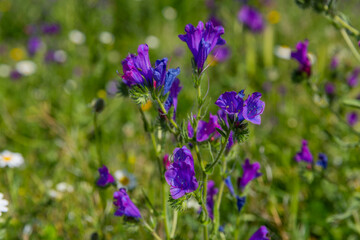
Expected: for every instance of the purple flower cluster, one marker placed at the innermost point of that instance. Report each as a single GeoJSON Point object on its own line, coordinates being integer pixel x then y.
{"type": "Point", "coordinates": [201, 40]}
{"type": "Point", "coordinates": [181, 174]}
{"type": "Point", "coordinates": [251, 18]}
{"type": "Point", "coordinates": [301, 55]}
{"type": "Point", "coordinates": [125, 207]}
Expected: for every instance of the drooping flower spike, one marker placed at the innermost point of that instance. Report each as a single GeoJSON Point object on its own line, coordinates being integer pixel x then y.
{"type": "Point", "coordinates": [181, 174]}
{"type": "Point", "coordinates": [105, 177]}
{"type": "Point", "coordinates": [250, 172]}
{"type": "Point", "coordinates": [202, 40]}
{"type": "Point", "coordinates": [301, 55]}
{"type": "Point", "coordinates": [260, 234]}
{"type": "Point", "coordinates": [251, 18]}
{"type": "Point", "coordinates": [305, 154]}
{"type": "Point", "coordinates": [125, 207]}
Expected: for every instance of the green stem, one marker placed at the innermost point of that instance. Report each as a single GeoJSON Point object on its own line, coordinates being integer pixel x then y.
{"type": "Point", "coordinates": [345, 25]}
{"type": "Point", "coordinates": [237, 227]}
{"type": "Point", "coordinates": [206, 232]}
{"type": "Point", "coordinates": [97, 140]}
{"type": "Point", "coordinates": [165, 212]}
{"type": "Point", "coordinates": [174, 223]}
{"type": "Point", "coordinates": [218, 201]}
{"type": "Point", "coordinates": [166, 113]}
{"type": "Point", "coordinates": [152, 231]}
{"type": "Point", "coordinates": [350, 44]}
{"type": "Point", "coordinates": [223, 146]}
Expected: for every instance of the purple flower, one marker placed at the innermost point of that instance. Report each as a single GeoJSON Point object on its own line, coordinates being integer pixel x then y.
{"type": "Point", "coordinates": [251, 18]}
{"type": "Point", "coordinates": [330, 88]}
{"type": "Point", "coordinates": [173, 96]}
{"type": "Point", "coordinates": [323, 161]}
{"type": "Point", "coordinates": [34, 44]}
{"type": "Point", "coordinates": [204, 129]}
{"type": "Point", "coordinates": [352, 79]}
{"type": "Point", "coordinates": [240, 202]}
{"type": "Point", "coordinates": [228, 183]}
{"type": "Point", "coordinates": [305, 154]}
{"type": "Point", "coordinates": [352, 118]}
{"type": "Point", "coordinates": [260, 234]}
{"type": "Point", "coordinates": [253, 108]}
{"type": "Point", "coordinates": [202, 40]}
{"type": "Point", "coordinates": [181, 174]}
{"type": "Point", "coordinates": [221, 54]}
{"type": "Point", "coordinates": [124, 205]}
{"type": "Point", "coordinates": [301, 55]}
{"type": "Point", "coordinates": [250, 172]}
{"type": "Point", "coordinates": [50, 28]}
{"type": "Point", "coordinates": [211, 192]}
{"type": "Point", "coordinates": [162, 78]}
{"type": "Point", "coordinates": [231, 102]}
{"type": "Point", "coordinates": [334, 63]}
{"type": "Point", "coordinates": [15, 75]}
{"type": "Point", "coordinates": [166, 161]}
{"type": "Point", "coordinates": [137, 69]}
{"type": "Point", "coordinates": [105, 177]}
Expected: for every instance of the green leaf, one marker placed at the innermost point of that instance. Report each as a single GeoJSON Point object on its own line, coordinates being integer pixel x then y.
{"type": "Point", "coordinates": [352, 103]}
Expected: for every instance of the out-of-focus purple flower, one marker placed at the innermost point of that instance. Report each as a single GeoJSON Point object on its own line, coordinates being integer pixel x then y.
{"type": "Point", "coordinates": [137, 69]}
{"type": "Point", "coordinates": [260, 234]}
{"type": "Point", "coordinates": [15, 75]}
{"type": "Point", "coordinates": [202, 40]}
{"type": "Point", "coordinates": [322, 161]}
{"type": "Point", "coordinates": [166, 161]}
{"type": "Point", "coordinates": [305, 154]}
{"type": "Point", "coordinates": [253, 108]}
{"type": "Point", "coordinates": [162, 78]}
{"type": "Point", "coordinates": [267, 86]}
{"type": "Point", "coordinates": [251, 18]}
{"type": "Point", "coordinates": [34, 44]}
{"type": "Point", "coordinates": [211, 192]}
{"type": "Point", "coordinates": [250, 172]}
{"type": "Point", "coordinates": [221, 54]}
{"type": "Point", "coordinates": [301, 55]}
{"type": "Point", "coordinates": [215, 21]}
{"type": "Point", "coordinates": [352, 79]}
{"type": "Point", "coordinates": [50, 28]}
{"type": "Point", "coordinates": [181, 174]}
{"type": "Point", "coordinates": [173, 96]}
{"type": "Point", "coordinates": [105, 177]}
{"type": "Point", "coordinates": [204, 129]}
{"type": "Point", "coordinates": [221, 229]}
{"type": "Point", "coordinates": [334, 62]}
{"type": "Point", "coordinates": [352, 118]}
{"type": "Point", "coordinates": [112, 87]}
{"type": "Point", "coordinates": [240, 202]}
{"type": "Point", "coordinates": [231, 102]}
{"type": "Point", "coordinates": [228, 183]}
{"type": "Point", "coordinates": [124, 205]}
{"type": "Point", "coordinates": [330, 88]}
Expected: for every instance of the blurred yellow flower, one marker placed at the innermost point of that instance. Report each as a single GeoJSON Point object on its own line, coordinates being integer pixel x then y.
{"type": "Point", "coordinates": [273, 17]}
{"type": "Point", "coordinates": [17, 54]}
{"type": "Point", "coordinates": [132, 159]}
{"type": "Point", "coordinates": [146, 106]}
{"type": "Point", "coordinates": [101, 94]}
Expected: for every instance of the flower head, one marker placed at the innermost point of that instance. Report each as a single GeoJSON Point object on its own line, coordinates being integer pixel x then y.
{"type": "Point", "coordinates": [105, 177]}
{"type": "Point", "coordinates": [202, 40]}
{"type": "Point", "coordinates": [124, 179]}
{"type": "Point", "coordinates": [301, 55]}
{"type": "Point", "coordinates": [250, 172]}
{"type": "Point", "coordinates": [305, 154]}
{"type": "Point", "coordinates": [251, 18]}
{"type": "Point", "coordinates": [231, 102]}
{"type": "Point", "coordinates": [211, 192]}
{"type": "Point", "coordinates": [124, 205]}
{"type": "Point", "coordinates": [260, 234]}
{"type": "Point", "coordinates": [10, 159]}
{"type": "Point", "coordinates": [204, 129]}
{"type": "Point", "coordinates": [3, 204]}
{"type": "Point", "coordinates": [323, 161]}
{"type": "Point", "coordinates": [162, 78]}
{"type": "Point", "coordinates": [181, 174]}
{"type": "Point", "coordinates": [253, 108]}
{"type": "Point", "coordinates": [352, 118]}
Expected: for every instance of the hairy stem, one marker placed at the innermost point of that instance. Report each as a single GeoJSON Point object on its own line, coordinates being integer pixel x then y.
{"type": "Point", "coordinates": [174, 223]}
{"type": "Point", "coordinates": [152, 231]}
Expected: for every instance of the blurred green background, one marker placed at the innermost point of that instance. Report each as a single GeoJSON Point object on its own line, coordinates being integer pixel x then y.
{"type": "Point", "coordinates": [47, 117]}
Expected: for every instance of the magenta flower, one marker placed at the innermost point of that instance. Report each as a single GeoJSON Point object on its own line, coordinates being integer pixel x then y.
{"type": "Point", "coordinates": [253, 108]}
{"type": "Point", "coordinates": [305, 154]}
{"type": "Point", "coordinates": [181, 174]}
{"type": "Point", "coordinates": [124, 205]}
{"type": "Point", "coordinates": [250, 172]}
{"type": "Point", "coordinates": [166, 161]}
{"type": "Point", "coordinates": [211, 192]}
{"type": "Point", "coordinates": [202, 40]}
{"type": "Point", "coordinates": [301, 55]}
{"type": "Point", "coordinates": [204, 129]}
{"type": "Point", "coordinates": [260, 234]}
{"type": "Point", "coordinates": [105, 177]}
{"type": "Point", "coordinates": [251, 18]}
{"type": "Point", "coordinates": [231, 102]}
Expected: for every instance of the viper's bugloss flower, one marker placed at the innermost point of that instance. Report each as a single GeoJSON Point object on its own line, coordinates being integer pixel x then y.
{"type": "Point", "coordinates": [322, 161]}
{"type": "Point", "coordinates": [34, 44]}
{"type": "Point", "coordinates": [125, 207]}
{"type": "Point", "coordinates": [204, 129]}
{"type": "Point", "coordinates": [301, 55]}
{"type": "Point", "coordinates": [250, 172]}
{"type": "Point", "coordinates": [251, 18]}
{"type": "Point", "coordinates": [166, 161]}
{"type": "Point", "coordinates": [253, 108]}
{"type": "Point", "coordinates": [173, 96]}
{"type": "Point", "coordinates": [352, 118]}
{"type": "Point", "coordinates": [229, 184]}
{"type": "Point", "coordinates": [162, 78]}
{"type": "Point", "coordinates": [334, 62]}
{"type": "Point", "coordinates": [240, 202]}
{"type": "Point", "coordinates": [181, 174]}
{"type": "Point", "coordinates": [15, 75]}
{"type": "Point", "coordinates": [105, 177]}
{"type": "Point", "coordinates": [202, 40]}
{"type": "Point", "coordinates": [137, 69]}
{"type": "Point", "coordinates": [211, 192]}
{"type": "Point", "coordinates": [260, 234]}
{"type": "Point", "coordinates": [11, 159]}
{"type": "Point", "coordinates": [352, 79]}
{"type": "Point", "coordinates": [231, 102]}
{"type": "Point", "coordinates": [305, 154]}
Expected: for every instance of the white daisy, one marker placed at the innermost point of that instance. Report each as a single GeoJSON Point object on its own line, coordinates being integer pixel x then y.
{"type": "Point", "coordinates": [77, 37]}
{"type": "Point", "coordinates": [10, 159]}
{"type": "Point", "coordinates": [124, 179]}
{"type": "Point", "coordinates": [3, 204]}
